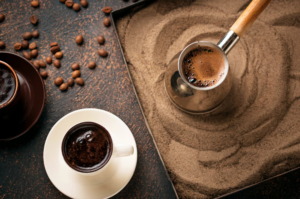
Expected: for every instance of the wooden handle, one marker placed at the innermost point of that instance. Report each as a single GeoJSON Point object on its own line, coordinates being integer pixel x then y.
{"type": "Point", "coordinates": [252, 12]}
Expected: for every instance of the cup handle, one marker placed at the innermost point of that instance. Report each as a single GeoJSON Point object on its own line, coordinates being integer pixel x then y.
{"type": "Point", "coordinates": [123, 150]}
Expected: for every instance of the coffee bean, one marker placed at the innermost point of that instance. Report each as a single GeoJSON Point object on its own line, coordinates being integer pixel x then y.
{"type": "Point", "coordinates": [35, 3]}
{"type": "Point", "coordinates": [69, 3]}
{"type": "Point", "coordinates": [34, 53]}
{"type": "Point", "coordinates": [58, 81]}
{"type": "Point", "coordinates": [18, 46]}
{"type": "Point", "coordinates": [62, 1]}
{"type": "Point", "coordinates": [79, 81]}
{"type": "Point", "coordinates": [2, 17]}
{"type": "Point", "coordinates": [33, 19]}
{"type": "Point", "coordinates": [49, 60]}
{"type": "Point", "coordinates": [56, 63]}
{"type": "Point", "coordinates": [32, 46]}
{"type": "Point", "coordinates": [58, 55]}
{"type": "Point", "coordinates": [106, 22]}
{"type": "Point", "coordinates": [31, 61]}
{"type": "Point", "coordinates": [100, 39]}
{"type": "Point", "coordinates": [44, 74]}
{"type": "Point", "coordinates": [102, 53]}
{"type": "Point", "coordinates": [79, 39]}
{"type": "Point", "coordinates": [92, 64]}
{"type": "Point", "coordinates": [53, 44]}
{"type": "Point", "coordinates": [42, 63]}
{"type": "Point", "coordinates": [55, 49]}
{"type": "Point", "coordinates": [27, 35]}
{"type": "Point", "coordinates": [24, 44]}
{"type": "Point", "coordinates": [2, 44]}
{"type": "Point", "coordinates": [75, 66]}
{"type": "Point", "coordinates": [76, 6]}
{"type": "Point", "coordinates": [70, 82]}
{"type": "Point", "coordinates": [36, 64]}
{"type": "Point", "coordinates": [107, 10]}
{"type": "Point", "coordinates": [84, 3]}
{"type": "Point", "coordinates": [26, 55]}
{"type": "Point", "coordinates": [76, 74]}
{"type": "Point", "coordinates": [35, 34]}
{"type": "Point", "coordinates": [63, 87]}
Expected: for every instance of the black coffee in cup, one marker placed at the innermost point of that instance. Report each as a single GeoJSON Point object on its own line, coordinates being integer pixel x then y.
{"type": "Point", "coordinates": [87, 147]}
{"type": "Point", "coordinates": [7, 84]}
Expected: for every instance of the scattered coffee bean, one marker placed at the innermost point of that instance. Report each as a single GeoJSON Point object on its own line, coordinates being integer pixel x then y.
{"type": "Point", "coordinates": [32, 46]}
{"type": "Point", "coordinates": [35, 34]}
{"type": "Point", "coordinates": [53, 44]}
{"type": "Point", "coordinates": [44, 74]}
{"type": "Point", "coordinates": [31, 61]}
{"type": "Point", "coordinates": [33, 19]}
{"type": "Point", "coordinates": [34, 53]}
{"type": "Point", "coordinates": [107, 10]}
{"type": "Point", "coordinates": [63, 87]}
{"type": "Point", "coordinates": [35, 3]}
{"type": "Point", "coordinates": [79, 39]}
{"type": "Point", "coordinates": [42, 63]}
{"type": "Point", "coordinates": [26, 55]}
{"type": "Point", "coordinates": [70, 82]}
{"type": "Point", "coordinates": [69, 3]}
{"type": "Point", "coordinates": [102, 53]}
{"type": "Point", "coordinates": [27, 35]}
{"type": "Point", "coordinates": [24, 44]}
{"type": "Point", "coordinates": [2, 17]}
{"type": "Point", "coordinates": [106, 22]}
{"type": "Point", "coordinates": [56, 63]}
{"type": "Point", "coordinates": [18, 46]}
{"type": "Point", "coordinates": [58, 81]}
{"type": "Point", "coordinates": [76, 7]}
{"type": "Point", "coordinates": [49, 60]}
{"type": "Point", "coordinates": [55, 49]}
{"type": "Point", "coordinates": [75, 66]}
{"type": "Point", "coordinates": [92, 64]}
{"type": "Point", "coordinates": [2, 44]}
{"type": "Point", "coordinates": [62, 1]}
{"type": "Point", "coordinates": [76, 74]}
{"type": "Point", "coordinates": [58, 55]}
{"type": "Point", "coordinates": [100, 39]}
{"type": "Point", "coordinates": [79, 81]}
{"type": "Point", "coordinates": [84, 3]}
{"type": "Point", "coordinates": [36, 64]}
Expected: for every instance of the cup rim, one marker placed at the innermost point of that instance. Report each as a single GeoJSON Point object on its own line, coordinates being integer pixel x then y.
{"type": "Point", "coordinates": [86, 171]}
{"type": "Point", "coordinates": [16, 87]}
{"type": "Point", "coordinates": [194, 45]}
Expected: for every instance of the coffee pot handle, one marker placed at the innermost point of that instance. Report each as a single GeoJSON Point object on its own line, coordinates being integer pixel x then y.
{"type": "Point", "coordinates": [123, 150]}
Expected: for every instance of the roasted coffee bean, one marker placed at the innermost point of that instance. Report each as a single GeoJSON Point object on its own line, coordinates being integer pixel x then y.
{"type": "Point", "coordinates": [76, 74]}
{"type": "Point", "coordinates": [92, 64]}
{"type": "Point", "coordinates": [49, 60]}
{"type": "Point", "coordinates": [32, 46]}
{"type": "Point", "coordinates": [27, 35]}
{"type": "Point", "coordinates": [63, 87]}
{"type": "Point", "coordinates": [79, 39]}
{"type": "Point", "coordinates": [44, 74]}
{"type": "Point", "coordinates": [107, 10]}
{"type": "Point", "coordinates": [53, 44]}
{"type": "Point", "coordinates": [34, 53]}
{"type": "Point", "coordinates": [69, 3]}
{"type": "Point", "coordinates": [2, 17]}
{"type": "Point", "coordinates": [58, 55]}
{"type": "Point", "coordinates": [84, 3]}
{"type": "Point", "coordinates": [31, 61]}
{"type": "Point", "coordinates": [24, 44]}
{"type": "Point", "coordinates": [18, 46]}
{"type": "Point", "coordinates": [79, 81]}
{"type": "Point", "coordinates": [102, 53]}
{"type": "Point", "coordinates": [26, 55]}
{"type": "Point", "coordinates": [76, 6]}
{"type": "Point", "coordinates": [36, 64]}
{"type": "Point", "coordinates": [75, 66]}
{"type": "Point", "coordinates": [42, 63]}
{"type": "Point", "coordinates": [35, 3]}
{"type": "Point", "coordinates": [106, 22]}
{"type": "Point", "coordinates": [35, 34]}
{"type": "Point", "coordinates": [100, 39]}
{"type": "Point", "coordinates": [58, 81]}
{"type": "Point", "coordinates": [2, 44]}
{"type": "Point", "coordinates": [55, 49]}
{"type": "Point", "coordinates": [33, 19]}
{"type": "Point", "coordinates": [56, 63]}
{"type": "Point", "coordinates": [70, 82]}
{"type": "Point", "coordinates": [62, 1]}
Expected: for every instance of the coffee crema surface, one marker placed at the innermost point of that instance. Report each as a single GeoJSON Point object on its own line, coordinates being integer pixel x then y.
{"type": "Point", "coordinates": [203, 67]}
{"type": "Point", "coordinates": [7, 84]}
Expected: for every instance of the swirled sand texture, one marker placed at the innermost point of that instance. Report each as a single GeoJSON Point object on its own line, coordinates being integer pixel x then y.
{"type": "Point", "coordinates": [258, 135]}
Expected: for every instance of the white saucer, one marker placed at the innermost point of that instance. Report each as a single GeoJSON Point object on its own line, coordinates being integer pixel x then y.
{"type": "Point", "coordinates": [88, 187]}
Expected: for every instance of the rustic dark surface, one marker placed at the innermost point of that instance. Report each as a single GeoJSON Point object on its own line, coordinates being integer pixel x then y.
{"type": "Point", "coordinates": [22, 173]}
